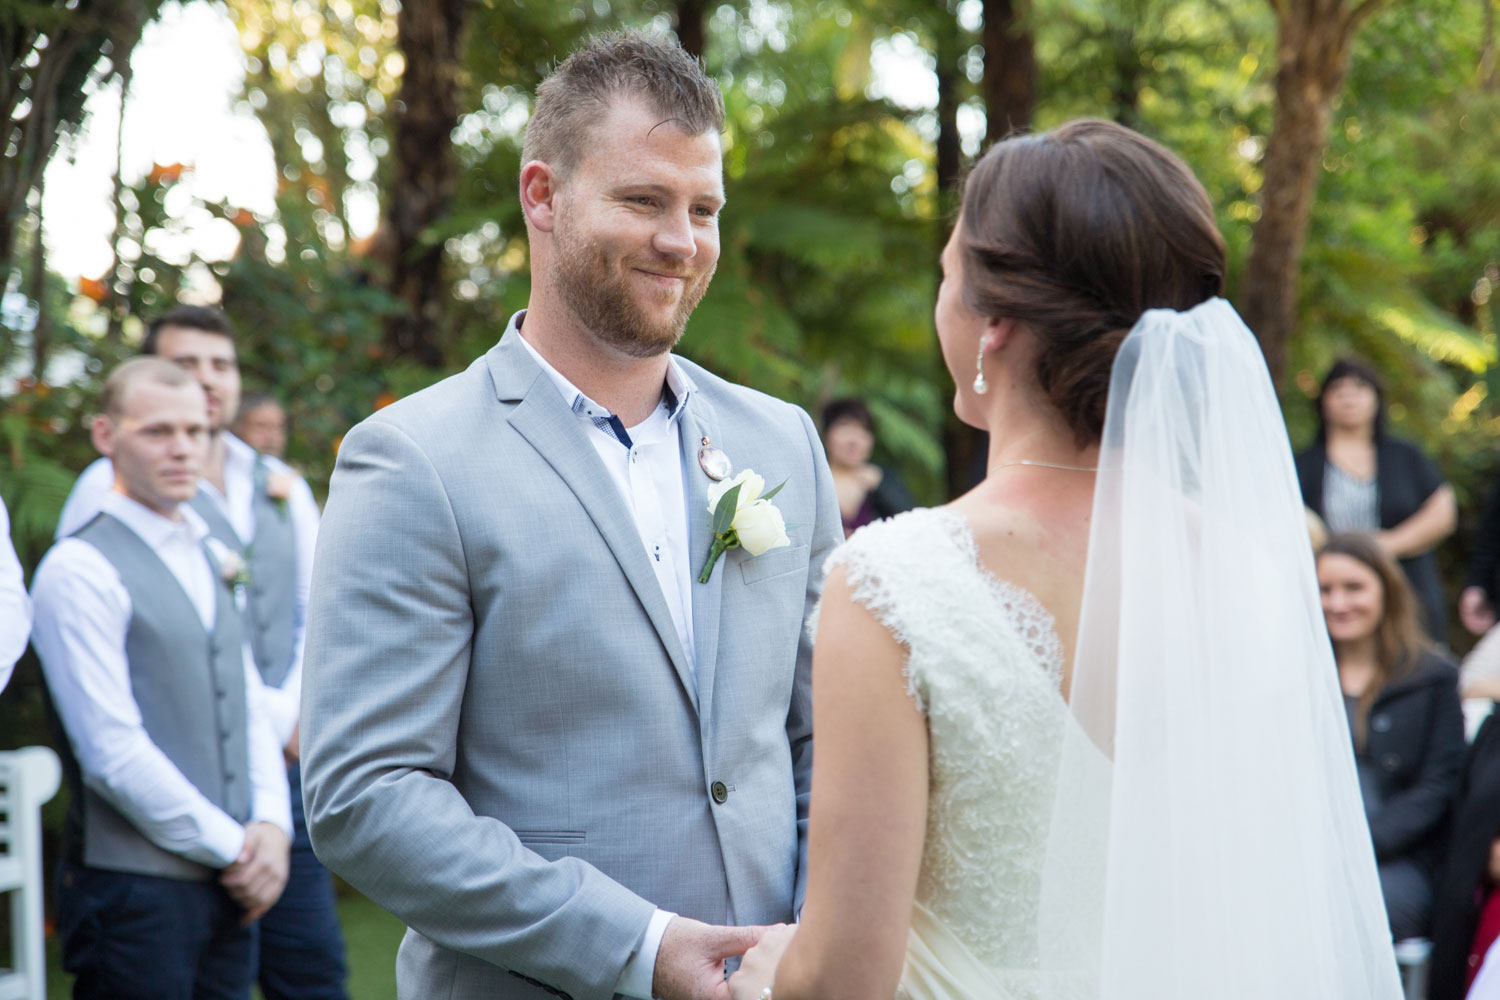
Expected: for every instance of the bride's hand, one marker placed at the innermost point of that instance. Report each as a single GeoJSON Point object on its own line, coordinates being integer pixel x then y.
{"type": "Point", "coordinates": [758, 968]}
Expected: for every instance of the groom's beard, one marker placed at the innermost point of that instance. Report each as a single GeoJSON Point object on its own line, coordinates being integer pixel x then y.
{"type": "Point", "coordinates": [595, 287]}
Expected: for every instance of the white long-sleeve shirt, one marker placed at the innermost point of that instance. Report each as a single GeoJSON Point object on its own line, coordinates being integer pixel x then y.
{"type": "Point", "coordinates": [83, 613]}
{"type": "Point", "coordinates": [15, 606]}
{"type": "Point", "coordinates": [237, 502]}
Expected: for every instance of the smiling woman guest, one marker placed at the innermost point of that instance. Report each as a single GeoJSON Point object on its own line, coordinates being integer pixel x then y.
{"type": "Point", "coordinates": [1358, 477]}
{"type": "Point", "coordinates": [1402, 702]}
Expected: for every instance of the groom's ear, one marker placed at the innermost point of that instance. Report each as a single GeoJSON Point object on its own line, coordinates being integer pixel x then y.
{"type": "Point", "coordinates": [539, 190]}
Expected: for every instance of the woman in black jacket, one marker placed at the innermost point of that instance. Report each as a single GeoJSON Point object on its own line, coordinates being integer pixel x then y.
{"type": "Point", "coordinates": [1356, 477]}
{"type": "Point", "coordinates": [1404, 716]}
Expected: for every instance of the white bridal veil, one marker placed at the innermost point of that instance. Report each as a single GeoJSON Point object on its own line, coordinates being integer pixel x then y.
{"type": "Point", "coordinates": [1208, 840]}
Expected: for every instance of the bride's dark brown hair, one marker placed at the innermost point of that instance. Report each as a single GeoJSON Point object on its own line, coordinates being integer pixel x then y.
{"type": "Point", "coordinates": [1076, 232]}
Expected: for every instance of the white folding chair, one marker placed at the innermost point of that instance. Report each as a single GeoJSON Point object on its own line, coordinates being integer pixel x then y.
{"type": "Point", "coordinates": [28, 778]}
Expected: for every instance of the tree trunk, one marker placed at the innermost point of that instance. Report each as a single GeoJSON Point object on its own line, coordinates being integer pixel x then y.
{"type": "Point", "coordinates": [41, 333]}
{"type": "Point", "coordinates": [117, 304]}
{"type": "Point", "coordinates": [430, 35]}
{"type": "Point", "coordinates": [1489, 79]}
{"type": "Point", "coordinates": [960, 442]}
{"type": "Point", "coordinates": [1009, 69]}
{"type": "Point", "coordinates": [1126, 92]}
{"type": "Point", "coordinates": [1313, 38]}
{"type": "Point", "coordinates": [690, 26]}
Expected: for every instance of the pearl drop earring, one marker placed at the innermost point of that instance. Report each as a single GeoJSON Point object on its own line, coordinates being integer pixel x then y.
{"type": "Point", "coordinates": [980, 385]}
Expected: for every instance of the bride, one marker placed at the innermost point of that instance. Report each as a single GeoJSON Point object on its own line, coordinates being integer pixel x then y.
{"type": "Point", "coordinates": [1078, 734]}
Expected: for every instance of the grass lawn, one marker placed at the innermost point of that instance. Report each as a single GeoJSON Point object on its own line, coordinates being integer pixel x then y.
{"type": "Point", "coordinates": [370, 934]}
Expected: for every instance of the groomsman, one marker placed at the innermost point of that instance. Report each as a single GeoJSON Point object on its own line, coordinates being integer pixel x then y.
{"type": "Point", "coordinates": [15, 606]}
{"type": "Point", "coordinates": [258, 506]}
{"type": "Point", "coordinates": [179, 829]}
{"type": "Point", "coordinates": [262, 424]}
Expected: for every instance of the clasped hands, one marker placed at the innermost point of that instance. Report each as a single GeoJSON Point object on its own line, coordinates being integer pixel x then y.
{"type": "Point", "coordinates": [258, 875]}
{"type": "Point", "coordinates": [690, 960]}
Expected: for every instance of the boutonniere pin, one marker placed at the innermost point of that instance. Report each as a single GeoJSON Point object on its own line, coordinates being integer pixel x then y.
{"type": "Point", "coordinates": [743, 518]}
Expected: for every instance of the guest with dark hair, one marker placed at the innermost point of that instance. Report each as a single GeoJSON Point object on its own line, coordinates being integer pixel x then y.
{"type": "Point", "coordinates": [1358, 477]}
{"type": "Point", "coordinates": [867, 492]}
{"type": "Point", "coordinates": [1402, 701]}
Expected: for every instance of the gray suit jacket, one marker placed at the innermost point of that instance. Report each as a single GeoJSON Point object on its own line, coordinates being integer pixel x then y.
{"type": "Point", "coordinates": [501, 739]}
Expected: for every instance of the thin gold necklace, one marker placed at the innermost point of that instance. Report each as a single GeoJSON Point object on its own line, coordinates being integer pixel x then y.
{"type": "Point", "coordinates": [1050, 465]}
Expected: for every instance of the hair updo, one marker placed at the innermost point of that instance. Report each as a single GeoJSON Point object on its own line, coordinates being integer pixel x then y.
{"type": "Point", "coordinates": [1076, 232]}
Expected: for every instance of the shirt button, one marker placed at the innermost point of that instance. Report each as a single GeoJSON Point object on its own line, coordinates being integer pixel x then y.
{"type": "Point", "coordinates": [720, 792]}
{"type": "Point", "coordinates": [1381, 723]}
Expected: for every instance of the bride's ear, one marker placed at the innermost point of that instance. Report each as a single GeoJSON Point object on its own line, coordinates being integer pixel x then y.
{"type": "Point", "coordinates": [998, 333]}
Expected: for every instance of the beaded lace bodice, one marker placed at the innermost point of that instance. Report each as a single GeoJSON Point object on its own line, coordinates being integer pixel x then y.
{"type": "Point", "coordinates": [985, 667]}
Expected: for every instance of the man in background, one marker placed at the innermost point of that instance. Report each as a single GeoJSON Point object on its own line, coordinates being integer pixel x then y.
{"type": "Point", "coordinates": [262, 509]}
{"type": "Point", "coordinates": [261, 424]}
{"type": "Point", "coordinates": [178, 832]}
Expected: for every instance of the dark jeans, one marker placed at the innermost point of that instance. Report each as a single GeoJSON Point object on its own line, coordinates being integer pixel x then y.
{"type": "Point", "coordinates": [140, 937]}
{"type": "Point", "coordinates": [301, 945]}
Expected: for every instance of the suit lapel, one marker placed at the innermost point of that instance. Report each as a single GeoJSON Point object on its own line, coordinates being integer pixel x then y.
{"type": "Point", "coordinates": [543, 418]}
{"type": "Point", "coordinates": [697, 423]}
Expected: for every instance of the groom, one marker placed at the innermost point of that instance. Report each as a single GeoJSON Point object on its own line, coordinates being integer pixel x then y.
{"type": "Point", "coordinates": [528, 731]}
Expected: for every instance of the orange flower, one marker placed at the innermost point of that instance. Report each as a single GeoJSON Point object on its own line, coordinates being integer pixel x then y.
{"type": "Point", "coordinates": [93, 288]}
{"type": "Point", "coordinates": [383, 400]}
{"type": "Point", "coordinates": [244, 217]}
{"type": "Point", "coordinates": [166, 173]}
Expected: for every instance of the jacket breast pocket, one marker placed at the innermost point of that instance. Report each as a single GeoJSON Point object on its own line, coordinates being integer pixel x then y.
{"type": "Point", "coordinates": [777, 562]}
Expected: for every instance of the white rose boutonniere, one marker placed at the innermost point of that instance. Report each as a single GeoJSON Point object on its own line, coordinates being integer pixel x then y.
{"type": "Point", "coordinates": [743, 518]}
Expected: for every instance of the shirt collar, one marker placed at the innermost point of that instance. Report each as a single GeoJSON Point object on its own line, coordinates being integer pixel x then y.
{"type": "Point", "coordinates": [675, 393]}
{"type": "Point", "coordinates": [154, 529]}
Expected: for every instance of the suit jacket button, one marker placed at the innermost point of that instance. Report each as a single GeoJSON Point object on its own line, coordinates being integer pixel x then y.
{"type": "Point", "coordinates": [720, 792]}
{"type": "Point", "coordinates": [1390, 762]}
{"type": "Point", "coordinates": [1381, 723]}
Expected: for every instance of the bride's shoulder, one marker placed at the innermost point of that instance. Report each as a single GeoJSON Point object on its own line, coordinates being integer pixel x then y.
{"type": "Point", "coordinates": [921, 539]}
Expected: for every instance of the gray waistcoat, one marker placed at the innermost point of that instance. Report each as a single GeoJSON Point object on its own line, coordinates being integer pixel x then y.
{"type": "Point", "coordinates": [190, 686]}
{"type": "Point", "coordinates": [272, 562]}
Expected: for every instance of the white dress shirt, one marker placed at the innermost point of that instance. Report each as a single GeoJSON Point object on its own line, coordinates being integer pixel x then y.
{"type": "Point", "coordinates": [83, 615]}
{"type": "Point", "coordinates": [645, 464]}
{"type": "Point", "coordinates": [15, 606]}
{"type": "Point", "coordinates": [237, 503]}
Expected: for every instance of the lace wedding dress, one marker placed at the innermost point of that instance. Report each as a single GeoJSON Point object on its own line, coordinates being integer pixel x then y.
{"type": "Point", "coordinates": [985, 668]}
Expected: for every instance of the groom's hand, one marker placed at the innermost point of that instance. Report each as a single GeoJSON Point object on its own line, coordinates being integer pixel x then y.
{"type": "Point", "coordinates": [690, 960]}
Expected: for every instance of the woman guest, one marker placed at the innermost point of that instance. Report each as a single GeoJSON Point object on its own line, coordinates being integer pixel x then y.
{"type": "Point", "coordinates": [866, 491]}
{"type": "Point", "coordinates": [1402, 703]}
{"type": "Point", "coordinates": [1359, 478]}
{"type": "Point", "coordinates": [1466, 920]}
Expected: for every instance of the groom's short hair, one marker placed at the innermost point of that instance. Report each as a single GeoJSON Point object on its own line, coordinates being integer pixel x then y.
{"type": "Point", "coordinates": [570, 102]}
